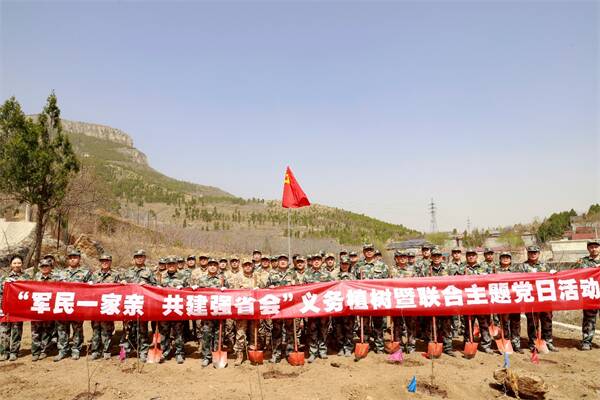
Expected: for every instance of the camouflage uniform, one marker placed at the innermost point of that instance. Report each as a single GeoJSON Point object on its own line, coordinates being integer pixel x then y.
{"type": "Point", "coordinates": [588, 325]}
{"type": "Point", "coordinates": [11, 332]}
{"type": "Point", "coordinates": [511, 323]}
{"type": "Point", "coordinates": [456, 268]}
{"type": "Point", "coordinates": [103, 330]}
{"type": "Point", "coordinates": [229, 334]}
{"type": "Point", "coordinates": [77, 274]}
{"type": "Point", "coordinates": [483, 320]}
{"type": "Point", "coordinates": [544, 317]}
{"type": "Point", "coordinates": [422, 266]}
{"type": "Point", "coordinates": [41, 331]}
{"type": "Point", "coordinates": [282, 334]}
{"type": "Point", "coordinates": [172, 280]}
{"type": "Point", "coordinates": [137, 331]}
{"type": "Point", "coordinates": [443, 324]}
{"type": "Point", "coordinates": [317, 327]}
{"type": "Point", "coordinates": [209, 328]}
{"type": "Point", "coordinates": [374, 270]}
{"type": "Point", "coordinates": [344, 326]}
{"type": "Point", "coordinates": [406, 326]}
{"type": "Point", "coordinates": [244, 328]}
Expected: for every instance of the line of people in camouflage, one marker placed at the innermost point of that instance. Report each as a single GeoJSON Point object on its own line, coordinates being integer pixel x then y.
{"type": "Point", "coordinates": [318, 334]}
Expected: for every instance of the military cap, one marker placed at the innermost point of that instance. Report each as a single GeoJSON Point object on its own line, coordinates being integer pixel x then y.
{"type": "Point", "coordinates": [353, 254]}
{"type": "Point", "coordinates": [506, 254]}
{"type": "Point", "coordinates": [74, 253]}
{"type": "Point", "coordinates": [234, 258]}
{"type": "Point", "coordinates": [191, 257]}
{"type": "Point", "coordinates": [368, 246]}
{"type": "Point", "coordinates": [457, 250]}
{"type": "Point", "coordinates": [202, 256]}
{"type": "Point", "coordinates": [343, 251]}
{"type": "Point", "coordinates": [487, 250]}
{"type": "Point", "coordinates": [329, 255]}
{"type": "Point", "coordinates": [533, 249]}
{"type": "Point", "coordinates": [222, 259]}
{"type": "Point", "coordinates": [301, 258]}
{"type": "Point", "coordinates": [105, 257]}
{"type": "Point", "coordinates": [274, 258]}
{"type": "Point", "coordinates": [593, 241]}
{"type": "Point", "coordinates": [247, 261]}
{"type": "Point", "coordinates": [470, 250]}
{"type": "Point", "coordinates": [309, 256]}
{"type": "Point", "coordinates": [426, 246]}
{"type": "Point", "coordinates": [162, 260]}
{"type": "Point", "coordinates": [172, 260]}
{"type": "Point", "coordinates": [322, 253]}
{"type": "Point", "coordinates": [436, 252]}
{"type": "Point", "coordinates": [139, 253]}
{"type": "Point", "coordinates": [45, 263]}
{"type": "Point", "coordinates": [282, 256]}
{"type": "Point", "coordinates": [49, 256]}
{"type": "Point", "coordinates": [295, 256]}
{"type": "Point", "coordinates": [411, 254]}
{"type": "Point", "coordinates": [344, 260]}
{"type": "Point", "coordinates": [399, 253]}
{"type": "Point", "coordinates": [265, 257]}
{"type": "Point", "coordinates": [256, 251]}
{"type": "Point", "coordinates": [377, 252]}
{"type": "Point", "coordinates": [212, 261]}
{"type": "Point", "coordinates": [180, 259]}
{"type": "Point", "coordinates": [317, 256]}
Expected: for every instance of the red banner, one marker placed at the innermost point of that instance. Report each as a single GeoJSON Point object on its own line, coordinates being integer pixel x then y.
{"type": "Point", "coordinates": [450, 295]}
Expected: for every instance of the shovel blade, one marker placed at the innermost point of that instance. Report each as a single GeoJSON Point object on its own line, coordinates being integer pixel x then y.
{"type": "Point", "coordinates": [361, 350]}
{"type": "Point", "coordinates": [256, 356]}
{"type": "Point", "coordinates": [154, 355]}
{"type": "Point", "coordinates": [296, 358]}
{"type": "Point", "coordinates": [494, 330]}
{"type": "Point", "coordinates": [155, 339]}
{"type": "Point", "coordinates": [470, 350]}
{"type": "Point", "coordinates": [392, 347]}
{"type": "Point", "coordinates": [434, 349]}
{"type": "Point", "coordinates": [504, 346]}
{"type": "Point", "coordinates": [476, 330]}
{"type": "Point", "coordinates": [219, 359]}
{"type": "Point", "coordinates": [540, 345]}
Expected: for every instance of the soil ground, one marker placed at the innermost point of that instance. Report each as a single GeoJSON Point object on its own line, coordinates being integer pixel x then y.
{"type": "Point", "coordinates": [570, 374]}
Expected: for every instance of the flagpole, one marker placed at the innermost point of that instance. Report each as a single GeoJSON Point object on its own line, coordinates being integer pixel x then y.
{"type": "Point", "coordinates": [289, 238]}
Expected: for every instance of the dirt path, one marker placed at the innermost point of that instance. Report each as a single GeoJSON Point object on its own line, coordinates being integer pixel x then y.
{"type": "Point", "coordinates": [570, 374]}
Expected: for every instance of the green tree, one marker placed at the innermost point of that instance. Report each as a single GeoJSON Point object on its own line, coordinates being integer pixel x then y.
{"type": "Point", "coordinates": [437, 238]}
{"type": "Point", "coordinates": [554, 226]}
{"type": "Point", "coordinates": [36, 161]}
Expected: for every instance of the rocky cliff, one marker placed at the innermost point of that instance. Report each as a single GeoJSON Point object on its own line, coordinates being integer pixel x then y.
{"type": "Point", "coordinates": [98, 131]}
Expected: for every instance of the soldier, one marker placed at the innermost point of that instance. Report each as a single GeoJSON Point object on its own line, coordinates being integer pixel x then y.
{"type": "Point", "coordinates": [247, 279]}
{"type": "Point", "coordinates": [75, 273]}
{"type": "Point", "coordinates": [12, 332]}
{"type": "Point", "coordinates": [274, 262]}
{"type": "Point", "coordinates": [511, 323]}
{"type": "Point", "coordinates": [208, 327]}
{"type": "Point", "coordinates": [138, 330]}
{"type": "Point", "coordinates": [544, 318]}
{"type": "Point", "coordinates": [189, 334]}
{"type": "Point", "coordinates": [588, 325]}
{"type": "Point", "coordinates": [318, 326]}
{"type": "Point", "coordinates": [472, 267]}
{"type": "Point", "coordinates": [371, 268]}
{"type": "Point", "coordinates": [406, 325]}
{"type": "Point", "coordinates": [223, 266]}
{"type": "Point", "coordinates": [423, 263]}
{"type": "Point", "coordinates": [41, 331]}
{"type": "Point", "coordinates": [202, 263]}
{"type": "Point", "coordinates": [257, 259]}
{"type": "Point", "coordinates": [282, 328]}
{"type": "Point", "coordinates": [301, 270]}
{"type": "Point", "coordinates": [488, 264]}
{"type": "Point", "coordinates": [444, 324]}
{"type": "Point", "coordinates": [172, 279]}
{"type": "Point", "coordinates": [344, 326]}
{"type": "Point", "coordinates": [161, 269]}
{"type": "Point", "coordinates": [353, 258]}
{"type": "Point", "coordinates": [412, 260]}
{"type": "Point", "coordinates": [330, 265]}
{"type": "Point", "coordinates": [343, 253]}
{"type": "Point", "coordinates": [230, 275]}
{"type": "Point", "coordinates": [180, 263]}
{"type": "Point", "coordinates": [234, 270]}
{"type": "Point", "coordinates": [103, 330]}
{"type": "Point", "coordinates": [455, 267]}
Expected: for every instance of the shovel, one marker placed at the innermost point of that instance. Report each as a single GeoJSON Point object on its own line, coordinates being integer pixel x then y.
{"type": "Point", "coordinates": [470, 346]}
{"type": "Point", "coordinates": [504, 345]}
{"type": "Point", "coordinates": [256, 356]}
{"type": "Point", "coordinates": [361, 349]}
{"type": "Point", "coordinates": [296, 358]}
{"type": "Point", "coordinates": [219, 357]}
{"type": "Point", "coordinates": [392, 346]}
{"type": "Point", "coordinates": [434, 349]}
{"type": "Point", "coordinates": [155, 353]}
{"type": "Point", "coordinates": [540, 344]}
{"type": "Point", "coordinates": [493, 329]}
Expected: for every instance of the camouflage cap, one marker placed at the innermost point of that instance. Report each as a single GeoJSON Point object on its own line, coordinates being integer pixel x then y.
{"type": "Point", "coordinates": [282, 256]}
{"type": "Point", "coordinates": [470, 250]}
{"type": "Point", "coordinates": [171, 260]}
{"type": "Point", "coordinates": [162, 260]}
{"type": "Point", "coordinates": [436, 252]}
{"type": "Point", "coordinates": [295, 256]}
{"type": "Point", "coordinates": [191, 257]}
{"type": "Point", "coordinates": [202, 256]}
{"type": "Point", "coordinates": [400, 253]}
{"type": "Point", "coordinates": [457, 250]}
{"type": "Point", "coordinates": [265, 257]}
{"type": "Point", "coordinates": [309, 257]}
{"type": "Point", "coordinates": [180, 259]}
{"type": "Point", "coordinates": [246, 261]}
{"type": "Point", "coordinates": [368, 246]}
{"type": "Point", "coordinates": [274, 258]}
{"type": "Point", "coordinates": [343, 251]}
{"type": "Point", "coordinates": [353, 254]}
{"type": "Point", "coordinates": [426, 247]}
{"type": "Point", "coordinates": [139, 253]}
{"type": "Point", "coordinates": [533, 249]}
{"type": "Point", "coordinates": [105, 257]}
{"type": "Point", "coordinates": [45, 262]}
{"type": "Point", "coordinates": [256, 251]}
{"type": "Point", "coordinates": [212, 261]}
{"type": "Point", "coordinates": [505, 254]}
{"type": "Point", "coordinates": [301, 258]}
{"type": "Point", "coordinates": [411, 253]}
{"type": "Point", "coordinates": [234, 258]}
{"type": "Point", "coordinates": [488, 250]}
{"type": "Point", "coordinates": [223, 259]}
{"type": "Point", "coordinates": [377, 252]}
{"type": "Point", "coordinates": [49, 256]}
{"type": "Point", "coordinates": [593, 241]}
{"type": "Point", "coordinates": [317, 256]}
{"type": "Point", "coordinates": [344, 260]}
{"type": "Point", "coordinates": [329, 255]}
{"type": "Point", "coordinates": [322, 253]}
{"type": "Point", "coordinates": [74, 253]}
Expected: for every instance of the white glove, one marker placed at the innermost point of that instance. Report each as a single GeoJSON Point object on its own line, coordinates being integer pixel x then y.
{"type": "Point", "coordinates": [222, 288]}
{"type": "Point", "coordinates": [179, 287]}
{"type": "Point", "coordinates": [194, 287]}
{"type": "Point", "coordinates": [1, 313]}
{"type": "Point", "coordinates": [553, 271]}
{"type": "Point", "coordinates": [90, 283]}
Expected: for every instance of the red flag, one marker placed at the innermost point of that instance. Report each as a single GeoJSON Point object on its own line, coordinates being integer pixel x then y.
{"type": "Point", "coordinates": [293, 196]}
{"type": "Point", "coordinates": [534, 357]}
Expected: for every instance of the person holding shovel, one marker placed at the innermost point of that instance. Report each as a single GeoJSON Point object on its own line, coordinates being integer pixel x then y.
{"type": "Point", "coordinates": [510, 323]}
{"type": "Point", "coordinates": [208, 327]}
{"type": "Point", "coordinates": [544, 318]}
{"type": "Point", "coordinates": [588, 325]}
{"type": "Point", "coordinates": [455, 267]}
{"type": "Point", "coordinates": [282, 328]}
{"type": "Point", "coordinates": [172, 279]}
{"type": "Point", "coordinates": [344, 326]}
{"type": "Point", "coordinates": [247, 279]}
{"type": "Point", "coordinates": [12, 332]}
{"type": "Point", "coordinates": [102, 331]}
{"type": "Point", "coordinates": [402, 324]}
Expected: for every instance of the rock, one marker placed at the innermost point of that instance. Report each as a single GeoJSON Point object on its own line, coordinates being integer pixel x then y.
{"type": "Point", "coordinates": [88, 246]}
{"type": "Point", "coordinates": [521, 383]}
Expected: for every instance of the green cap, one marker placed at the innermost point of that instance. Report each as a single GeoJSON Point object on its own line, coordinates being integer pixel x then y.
{"type": "Point", "coordinates": [74, 253]}
{"type": "Point", "coordinates": [533, 249]}
{"type": "Point", "coordinates": [255, 251]}
{"type": "Point", "coordinates": [301, 258]}
{"type": "Point", "coordinates": [191, 257]}
{"type": "Point", "coordinates": [488, 250]}
{"type": "Point", "coordinates": [234, 258]}
{"type": "Point", "coordinates": [593, 241]}
{"type": "Point", "coordinates": [45, 262]}
{"type": "Point", "coordinates": [353, 254]}
{"type": "Point", "coordinates": [400, 253]}
{"type": "Point", "coordinates": [274, 258]}
{"type": "Point", "coordinates": [426, 247]}
{"type": "Point", "coordinates": [368, 246]}
{"type": "Point", "coordinates": [505, 254]}
{"type": "Point", "coordinates": [343, 251]}
{"type": "Point", "coordinates": [436, 252]}
{"type": "Point", "coordinates": [105, 257]}
{"type": "Point", "coordinates": [139, 253]}
{"type": "Point", "coordinates": [411, 254]}
{"type": "Point", "coordinates": [282, 256]}
{"type": "Point", "coordinates": [457, 250]}
{"type": "Point", "coordinates": [162, 260]}
{"type": "Point", "coordinates": [180, 259]}
{"type": "Point", "coordinates": [329, 255]}
{"type": "Point", "coordinates": [212, 261]}
{"type": "Point", "coordinates": [470, 250]}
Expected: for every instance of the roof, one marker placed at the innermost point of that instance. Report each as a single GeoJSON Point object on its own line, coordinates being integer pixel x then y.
{"type": "Point", "coordinates": [408, 244]}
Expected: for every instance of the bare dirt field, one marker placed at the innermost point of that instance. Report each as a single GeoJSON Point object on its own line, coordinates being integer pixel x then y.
{"type": "Point", "coordinates": [570, 374]}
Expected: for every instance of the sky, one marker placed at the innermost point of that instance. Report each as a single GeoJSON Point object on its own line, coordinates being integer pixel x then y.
{"type": "Point", "coordinates": [491, 109]}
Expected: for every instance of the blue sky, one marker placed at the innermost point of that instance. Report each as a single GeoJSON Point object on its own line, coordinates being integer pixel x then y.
{"type": "Point", "coordinates": [490, 108]}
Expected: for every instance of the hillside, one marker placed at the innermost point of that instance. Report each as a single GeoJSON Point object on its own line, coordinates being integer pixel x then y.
{"type": "Point", "coordinates": [194, 215]}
